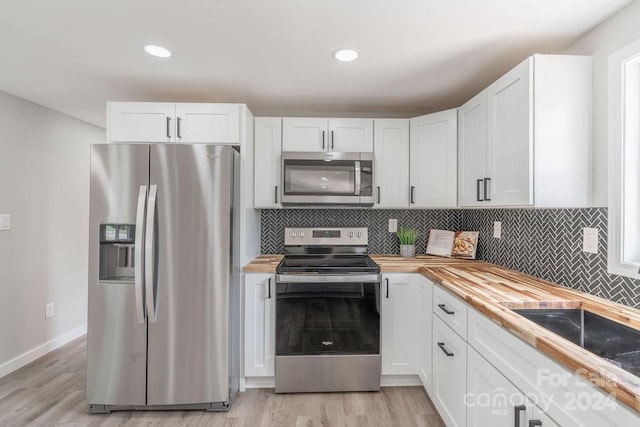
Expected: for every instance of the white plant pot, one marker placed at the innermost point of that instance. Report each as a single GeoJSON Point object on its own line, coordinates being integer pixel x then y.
{"type": "Point", "coordinates": [407, 251]}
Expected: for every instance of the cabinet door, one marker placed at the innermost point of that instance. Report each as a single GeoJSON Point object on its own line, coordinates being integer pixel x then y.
{"type": "Point", "coordinates": [351, 135]}
{"type": "Point", "coordinates": [391, 148]}
{"type": "Point", "coordinates": [472, 150]}
{"type": "Point", "coordinates": [449, 374]}
{"type": "Point", "coordinates": [491, 399]}
{"type": "Point", "coordinates": [400, 318]}
{"type": "Point", "coordinates": [259, 325]}
{"type": "Point", "coordinates": [141, 122]}
{"type": "Point", "coordinates": [208, 123]}
{"type": "Point", "coordinates": [433, 150]}
{"type": "Point", "coordinates": [510, 137]}
{"type": "Point", "coordinates": [268, 150]}
{"type": "Point", "coordinates": [426, 351]}
{"type": "Point", "coordinates": [304, 134]}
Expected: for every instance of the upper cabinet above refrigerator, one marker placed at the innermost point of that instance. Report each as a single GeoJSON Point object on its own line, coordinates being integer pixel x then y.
{"type": "Point", "coordinates": [320, 134]}
{"type": "Point", "coordinates": [164, 122]}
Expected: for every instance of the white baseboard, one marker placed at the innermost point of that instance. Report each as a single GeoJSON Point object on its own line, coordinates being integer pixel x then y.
{"type": "Point", "coordinates": [385, 381]}
{"type": "Point", "coordinates": [35, 353]}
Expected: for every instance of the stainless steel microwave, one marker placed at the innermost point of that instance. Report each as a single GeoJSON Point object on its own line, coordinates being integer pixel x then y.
{"type": "Point", "coordinates": [327, 178]}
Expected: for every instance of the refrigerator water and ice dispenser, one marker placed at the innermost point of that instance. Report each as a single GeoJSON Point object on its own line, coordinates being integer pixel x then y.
{"type": "Point", "coordinates": [117, 253]}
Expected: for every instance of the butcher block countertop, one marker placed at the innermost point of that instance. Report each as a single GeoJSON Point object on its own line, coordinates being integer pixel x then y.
{"type": "Point", "coordinates": [495, 290]}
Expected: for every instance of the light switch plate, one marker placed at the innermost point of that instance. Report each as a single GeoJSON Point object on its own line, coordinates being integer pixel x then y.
{"type": "Point", "coordinates": [590, 240]}
{"type": "Point", "coordinates": [5, 222]}
{"type": "Point", "coordinates": [393, 225]}
{"type": "Point", "coordinates": [497, 229]}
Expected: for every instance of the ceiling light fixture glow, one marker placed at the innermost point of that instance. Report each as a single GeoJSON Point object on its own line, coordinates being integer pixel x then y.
{"type": "Point", "coordinates": [346, 55]}
{"type": "Point", "coordinates": [157, 51]}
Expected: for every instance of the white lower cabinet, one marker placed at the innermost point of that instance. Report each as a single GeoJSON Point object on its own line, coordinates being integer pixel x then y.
{"type": "Point", "coordinates": [259, 325]}
{"type": "Point", "coordinates": [400, 317]}
{"type": "Point", "coordinates": [449, 374]}
{"type": "Point", "coordinates": [492, 400]}
{"type": "Point", "coordinates": [426, 352]}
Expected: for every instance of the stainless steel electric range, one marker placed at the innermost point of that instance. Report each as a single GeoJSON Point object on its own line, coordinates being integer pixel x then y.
{"type": "Point", "coordinates": [327, 312]}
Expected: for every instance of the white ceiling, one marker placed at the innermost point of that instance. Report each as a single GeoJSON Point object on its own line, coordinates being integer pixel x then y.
{"type": "Point", "coordinates": [418, 56]}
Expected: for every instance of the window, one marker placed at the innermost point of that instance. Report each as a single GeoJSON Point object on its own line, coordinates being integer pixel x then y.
{"type": "Point", "coordinates": [624, 161]}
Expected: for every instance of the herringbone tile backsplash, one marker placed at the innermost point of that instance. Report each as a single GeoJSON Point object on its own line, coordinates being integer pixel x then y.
{"type": "Point", "coordinates": [546, 243]}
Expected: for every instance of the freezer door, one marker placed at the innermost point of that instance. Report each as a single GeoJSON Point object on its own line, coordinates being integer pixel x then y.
{"type": "Point", "coordinates": [116, 335]}
{"type": "Point", "coordinates": [188, 291]}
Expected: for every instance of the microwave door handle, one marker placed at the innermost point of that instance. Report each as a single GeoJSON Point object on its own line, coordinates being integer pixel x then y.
{"type": "Point", "coordinates": [358, 177]}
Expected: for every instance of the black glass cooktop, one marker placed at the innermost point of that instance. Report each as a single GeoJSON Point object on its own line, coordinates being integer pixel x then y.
{"type": "Point", "coordinates": [327, 264]}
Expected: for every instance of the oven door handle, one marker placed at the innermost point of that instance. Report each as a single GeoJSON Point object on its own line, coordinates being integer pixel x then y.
{"type": "Point", "coordinates": [325, 278]}
{"type": "Point", "coordinates": [358, 177]}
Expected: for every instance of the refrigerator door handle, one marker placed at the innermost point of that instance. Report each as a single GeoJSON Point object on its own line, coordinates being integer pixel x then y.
{"type": "Point", "coordinates": [149, 255]}
{"type": "Point", "coordinates": [139, 254]}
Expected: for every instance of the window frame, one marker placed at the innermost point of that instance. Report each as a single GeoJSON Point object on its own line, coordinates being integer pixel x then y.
{"type": "Point", "coordinates": [616, 91]}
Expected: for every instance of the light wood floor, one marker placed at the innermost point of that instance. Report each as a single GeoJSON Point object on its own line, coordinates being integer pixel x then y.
{"type": "Point", "coordinates": [51, 391]}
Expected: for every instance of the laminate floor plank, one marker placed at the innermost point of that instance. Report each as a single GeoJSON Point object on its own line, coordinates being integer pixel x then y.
{"type": "Point", "coordinates": [51, 392]}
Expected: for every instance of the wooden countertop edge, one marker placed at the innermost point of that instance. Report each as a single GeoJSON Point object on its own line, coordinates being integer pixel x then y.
{"type": "Point", "coordinates": [450, 274]}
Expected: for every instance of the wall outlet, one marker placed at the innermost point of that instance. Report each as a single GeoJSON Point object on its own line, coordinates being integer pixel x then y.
{"type": "Point", "coordinates": [48, 310]}
{"type": "Point", "coordinates": [590, 240]}
{"type": "Point", "coordinates": [5, 222]}
{"type": "Point", "coordinates": [497, 229]}
{"type": "Point", "coordinates": [393, 225]}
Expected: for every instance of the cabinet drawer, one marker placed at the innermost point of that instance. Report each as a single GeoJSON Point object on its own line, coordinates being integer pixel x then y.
{"type": "Point", "coordinates": [451, 310]}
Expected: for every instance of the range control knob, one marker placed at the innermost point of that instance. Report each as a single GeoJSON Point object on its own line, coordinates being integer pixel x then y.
{"type": "Point", "coordinates": [359, 234]}
{"type": "Point", "coordinates": [351, 234]}
{"type": "Point", "coordinates": [301, 234]}
{"type": "Point", "coordinates": [294, 234]}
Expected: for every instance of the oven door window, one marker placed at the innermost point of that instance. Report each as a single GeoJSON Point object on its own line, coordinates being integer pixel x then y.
{"type": "Point", "coordinates": [327, 318]}
{"type": "Point", "coordinates": [313, 177]}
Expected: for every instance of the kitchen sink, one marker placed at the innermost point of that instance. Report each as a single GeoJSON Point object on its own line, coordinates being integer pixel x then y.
{"type": "Point", "coordinates": [615, 342]}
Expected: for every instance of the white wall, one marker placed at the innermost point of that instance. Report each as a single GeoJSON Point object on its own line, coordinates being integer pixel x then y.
{"type": "Point", "coordinates": [44, 185]}
{"type": "Point", "coordinates": [613, 34]}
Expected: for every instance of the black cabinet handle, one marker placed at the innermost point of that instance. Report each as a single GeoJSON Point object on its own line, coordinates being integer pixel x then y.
{"type": "Point", "coordinates": [444, 308]}
{"type": "Point", "coordinates": [486, 182]}
{"type": "Point", "coordinates": [323, 140]}
{"type": "Point", "coordinates": [168, 127]}
{"type": "Point", "coordinates": [275, 194]}
{"type": "Point", "coordinates": [518, 409]}
{"type": "Point", "coordinates": [378, 195]}
{"type": "Point", "coordinates": [534, 423]}
{"type": "Point", "coordinates": [387, 280]}
{"type": "Point", "coordinates": [269, 288]}
{"type": "Point", "coordinates": [412, 190]}
{"type": "Point", "coordinates": [179, 132]}
{"type": "Point", "coordinates": [442, 347]}
{"type": "Point", "coordinates": [478, 184]}
{"type": "Point", "coordinates": [333, 144]}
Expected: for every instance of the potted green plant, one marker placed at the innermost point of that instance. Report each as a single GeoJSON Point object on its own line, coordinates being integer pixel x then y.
{"type": "Point", "coordinates": [407, 238]}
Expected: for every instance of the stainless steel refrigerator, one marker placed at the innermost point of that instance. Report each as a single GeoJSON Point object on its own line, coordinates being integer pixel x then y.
{"type": "Point", "coordinates": [163, 321]}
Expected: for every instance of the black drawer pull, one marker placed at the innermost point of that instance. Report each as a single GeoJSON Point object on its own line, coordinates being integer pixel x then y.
{"type": "Point", "coordinates": [442, 347]}
{"type": "Point", "coordinates": [443, 308]}
{"type": "Point", "coordinates": [269, 287]}
{"type": "Point", "coordinates": [518, 409]}
{"type": "Point", "coordinates": [387, 280]}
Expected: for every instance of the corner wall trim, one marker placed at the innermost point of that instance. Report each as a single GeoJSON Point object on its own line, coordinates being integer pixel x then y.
{"type": "Point", "coordinates": [37, 352]}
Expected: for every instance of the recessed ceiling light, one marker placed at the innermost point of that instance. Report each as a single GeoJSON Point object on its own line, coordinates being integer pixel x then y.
{"type": "Point", "coordinates": [346, 55]}
{"type": "Point", "coordinates": [158, 51]}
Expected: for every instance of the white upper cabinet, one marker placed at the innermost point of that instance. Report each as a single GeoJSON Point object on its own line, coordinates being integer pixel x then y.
{"type": "Point", "coordinates": [203, 123]}
{"type": "Point", "coordinates": [170, 122]}
{"type": "Point", "coordinates": [433, 160]}
{"type": "Point", "coordinates": [320, 134]}
{"type": "Point", "coordinates": [472, 150]}
{"type": "Point", "coordinates": [351, 135]}
{"type": "Point", "coordinates": [268, 150]}
{"type": "Point", "coordinates": [538, 132]}
{"type": "Point", "coordinates": [509, 137]}
{"type": "Point", "coordinates": [391, 148]}
{"type": "Point", "coordinates": [141, 122]}
{"type": "Point", "coordinates": [304, 134]}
